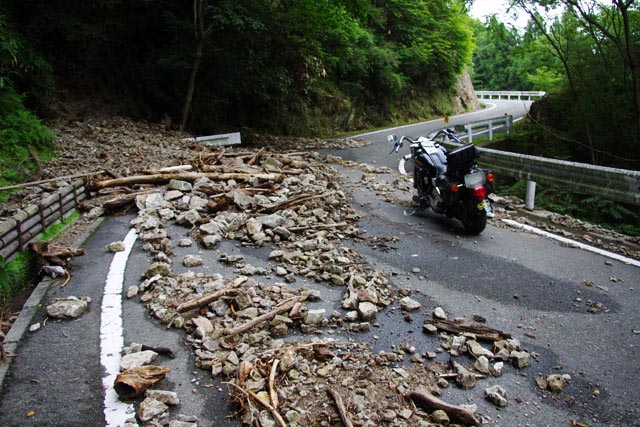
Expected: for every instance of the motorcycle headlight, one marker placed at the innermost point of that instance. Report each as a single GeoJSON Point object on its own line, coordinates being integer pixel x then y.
{"type": "Point", "coordinates": [474, 179]}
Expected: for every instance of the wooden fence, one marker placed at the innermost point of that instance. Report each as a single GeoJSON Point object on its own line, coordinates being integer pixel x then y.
{"type": "Point", "coordinates": [29, 223]}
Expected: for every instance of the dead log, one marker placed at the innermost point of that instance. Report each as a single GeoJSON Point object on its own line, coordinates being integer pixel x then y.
{"type": "Point", "coordinates": [229, 289]}
{"type": "Point", "coordinates": [49, 254]}
{"type": "Point", "coordinates": [184, 176]}
{"type": "Point", "coordinates": [134, 382]}
{"type": "Point", "coordinates": [342, 410]}
{"type": "Point", "coordinates": [481, 332]}
{"type": "Point", "coordinates": [171, 169]}
{"type": "Point", "coordinates": [267, 316]}
{"type": "Point", "coordinates": [455, 413]}
{"type": "Point", "coordinates": [273, 394]}
{"type": "Point", "coordinates": [44, 181]}
{"type": "Point", "coordinates": [256, 156]}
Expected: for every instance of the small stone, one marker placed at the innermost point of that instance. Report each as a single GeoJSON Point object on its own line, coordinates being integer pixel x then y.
{"type": "Point", "coordinates": [164, 396]}
{"type": "Point", "coordinates": [178, 185]}
{"type": "Point", "coordinates": [466, 379]}
{"type": "Point", "coordinates": [415, 270]}
{"type": "Point", "coordinates": [157, 268]}
{"type": "Point", "coordinates": [185, 242]}
{"type": "Point", "coordinates": [496, 395]}
{"type": "Point", "coordinates": [521, 359]}
{"type": "Point", "coordinates": [478, 350]}
{"type": "Point", "coordinates": [430, 328]}
{"type": "Point", "coordinates": [440, 417]}
{"type": "Point", "coordinates": [132, 291]}
{"type": "Point", "coordinates": [367, 311]}
{"type": "Point", "coordinates": [116, 247]}
{"type": "Point", "coordinates": [68, 308]}
{"type": "Point", "coordinates": [192, 261]}
{"type": "Point", "coordinates": [409, 304]}
{"type": "Point", "coordinates": [151, 408]}
{"type": "Point", "coordinates": [482, 365]}
{"type": "Point", "coordinates": [137, 359]}
{"type": "Point", "coordinates": [314, 317]}
{"type": "Point", "coordinates": [211, 240]}
{"type": "Point", "coordinates": [556, 383]}
{"type": "Point", "coordinates": [438, 313]}
{"type": "Point", "coordinates": [34, 327]}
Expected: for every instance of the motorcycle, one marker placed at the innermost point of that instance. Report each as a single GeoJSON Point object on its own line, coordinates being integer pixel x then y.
{"type": "Point", "coordinates": [448, 182]}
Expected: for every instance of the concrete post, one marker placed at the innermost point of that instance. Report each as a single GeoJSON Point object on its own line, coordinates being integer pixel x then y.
{"type": "Point", "coordinates": [490, 130]}
{"type": "Point", "coordinates": [530, 197]}
{"type": "Point", "coordinates": [469, 133]}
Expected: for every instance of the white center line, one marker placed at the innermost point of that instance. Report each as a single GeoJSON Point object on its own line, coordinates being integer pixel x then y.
{"type": "Point", "coordinates": [111, 335]}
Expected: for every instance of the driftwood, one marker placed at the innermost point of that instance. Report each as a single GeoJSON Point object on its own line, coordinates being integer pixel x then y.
{"type": "Point", "coordinates": [455, 413]}
{"type": "Point", "coordinates": [267, 316]}
{"type": "Point", "coordinates": [134, 382]}
{"type": "Point", "coordinates": [273, 394]}
{"type": "Point", "coordinates": [266, 405]}
{"type": "Point", "coordinates": [49, 254]}
{"type": "Point", "coordinates": [171, 169]}
{"type": "Point", "coordinates": [163, 178]}
{"type": "Point", "coordinates": [342, 410]}
{"type": "Point", "coordinates": [256, 156]}
{"type": "Point", "coordinates": [201, 302]}
{"type": "Point", "coordinates": [481, 332]}
{"type": "Point", "coordinates": [44, 181]}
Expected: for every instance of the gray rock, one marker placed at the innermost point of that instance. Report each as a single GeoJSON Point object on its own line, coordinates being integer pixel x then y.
{"type": "Point", "coordinates": [116, 247]}
{"type": "Point", "coordinates": [496, 395]}
{"type": "Point", "coordinates": [157, 269]}
{"type": "Point", "coordinates": [211, 241]}
{"type": "Point", "coordinates": [438, 313]}
{"type": "Point", "coordinates": [367, 311]}
{"type": "Point", "coordinates": [521, 359]}
{"type": "Point", "coordinates": [151, 408]}
{"type": "Point", "coordinates": [212, 227]}
{"type": "Point", "coordinates": [178, 423]}
{"type": "Point", "coordinates": [478, 350]}
{"type": "Point", "coordinates": [314, 317]}
{"type": "Point", "coordinates": [556, 383]}
{"type": "Point", "coordinates": [430, 329]}
{"type": "Point", "coordinates": [440, 417]}
{"type": "Point", "coordinates": [178, 185]}
{"type": "Point", "coordinates": [254, 226]}
{"type": "Point", "coordinates": [188, 218]}
{"type": "Point", "coordinates": [272, 165]}
{"type": "Point", "coordinates": [68, 308]}
{"type": "Point", "coordinates": [192, 261]}
{"type": "Point", "coordinates": [140, 358]}
{"type": "Point", "coordinates": [95, 213]}
{"type": "Point", "coordinates": [466, 379]}
{"type": "Point", "coordinates": [164, 396]}
{"type": "Point", "coordinates": [185, 242]}
{"type": "Point", "coordinates": [273, 221]}
{"type": "Point", "coordinates": [409, 304]}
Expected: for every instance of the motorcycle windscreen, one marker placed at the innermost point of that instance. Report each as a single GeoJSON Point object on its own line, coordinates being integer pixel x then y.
{"type": "Point", "coordinates": [406, 166]}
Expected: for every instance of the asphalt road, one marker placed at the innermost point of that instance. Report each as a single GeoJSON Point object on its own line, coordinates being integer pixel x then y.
{"type": "Point", "coordinates": [521, 283]}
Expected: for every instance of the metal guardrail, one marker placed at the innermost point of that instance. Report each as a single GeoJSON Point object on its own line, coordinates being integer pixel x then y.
{"type": "Point", "coordinates": [486, 126]}
{"type": "Point", "coordinates": [620, 185]}
{"type": "Point", "coordinates": [506, 94]}
{"type": "Point", "coordinates": [221, 140]}
{"type": "Point", "coordinates": [29, 223]}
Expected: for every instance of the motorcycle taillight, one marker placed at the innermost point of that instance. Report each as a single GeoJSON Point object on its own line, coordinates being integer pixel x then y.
{"type": "Point", "coordinates": [479, 192]}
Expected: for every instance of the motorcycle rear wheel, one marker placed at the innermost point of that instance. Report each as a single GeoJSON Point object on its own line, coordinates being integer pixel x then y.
{"type": "Point", "coordinates": [475, 225]}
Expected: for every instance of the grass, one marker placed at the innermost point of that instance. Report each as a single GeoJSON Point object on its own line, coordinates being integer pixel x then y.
{"type": "Point", "coordinates": [18, 274]}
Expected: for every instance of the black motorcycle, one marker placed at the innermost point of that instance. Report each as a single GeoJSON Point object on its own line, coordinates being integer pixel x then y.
{"type": "Point", "coordinates": [448, 182]}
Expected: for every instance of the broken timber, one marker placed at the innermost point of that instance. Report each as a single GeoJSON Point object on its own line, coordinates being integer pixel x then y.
{"type": "Point", "coordinates": [185, 176]}
{"type": "Point", "coordinates": [481, 332]}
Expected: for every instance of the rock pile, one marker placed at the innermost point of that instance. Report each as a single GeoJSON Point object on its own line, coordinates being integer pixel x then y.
{"type": "Point", "coordinates": [244, 331]}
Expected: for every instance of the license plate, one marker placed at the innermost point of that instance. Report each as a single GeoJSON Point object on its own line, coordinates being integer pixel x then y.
{"type": "Point", "coordinates": [483, 204]}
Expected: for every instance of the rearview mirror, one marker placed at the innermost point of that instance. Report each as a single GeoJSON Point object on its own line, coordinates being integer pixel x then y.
{"type": "Point", "coordinates": [392, 139]}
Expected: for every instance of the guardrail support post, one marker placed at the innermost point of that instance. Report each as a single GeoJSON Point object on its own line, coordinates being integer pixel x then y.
{"type": "Point", "coordinates": [490, 130]}
{"type": "Point", "coordinates": [530, 197]}
{"type": "Point", "coordinates": [469, 133]}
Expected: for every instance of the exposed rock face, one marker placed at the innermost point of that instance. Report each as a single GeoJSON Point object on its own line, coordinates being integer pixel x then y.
{"type": "Point", "coordinates": [466, 99]}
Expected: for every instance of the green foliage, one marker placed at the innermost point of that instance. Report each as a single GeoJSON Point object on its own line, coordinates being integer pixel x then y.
{"type": "Point", "coordinates": [596, 210]}
{"type": "Point", "coordinates": [14, 277]}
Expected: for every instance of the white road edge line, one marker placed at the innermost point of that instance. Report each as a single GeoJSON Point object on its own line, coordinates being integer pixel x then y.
{"type": "Point", "coordinates": [111, 335]}
{"type": "Point", "coordinates": [572, 242]}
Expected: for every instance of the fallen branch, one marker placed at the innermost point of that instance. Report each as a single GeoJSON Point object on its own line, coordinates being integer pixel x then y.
{"type": "Point", "coordinates": [273, 394]}
{"type": "Point", "coordinates": [68, 278]}
{"type": "Point", "coordinates": [184, 176]}
{"type": "Point", "coordinates": [267, 316]}
{"type": "Point", "coordinates": [342, 410]}
{"type": "Point", "coordinates": [124, 199]}
{"type": "Point", "coordinates": [171, 169]}
{"type": "Point", "coordinates": [230, 289]}
{"type": "Point", "coordinates": [34, 183]}
{"type": "Point", "coordinates": [319, 226]}
{"type": "Point", "coordinates": [52, 254]}
{"type": "Point", "coordinates": [260, 402]}
{"type": "Point", "coordinates": [256, 156]}
{"type": "Point", "coordinates": [454, 375]}
{"type": "Point", "coordinates": [481, 332]}
{"type": "Point", "coordinates": [455, 413]}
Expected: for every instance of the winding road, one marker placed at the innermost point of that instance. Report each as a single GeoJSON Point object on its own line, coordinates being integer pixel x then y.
{"type": "Point", "coordinates": [576, 311]}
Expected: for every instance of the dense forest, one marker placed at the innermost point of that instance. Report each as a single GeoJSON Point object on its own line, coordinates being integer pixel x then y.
{"type": "Point", "coordinates": [321, 67]}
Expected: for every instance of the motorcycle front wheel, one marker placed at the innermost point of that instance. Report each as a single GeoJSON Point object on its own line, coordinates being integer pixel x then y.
{"type": "Point", "coordinates": [475, 224]}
